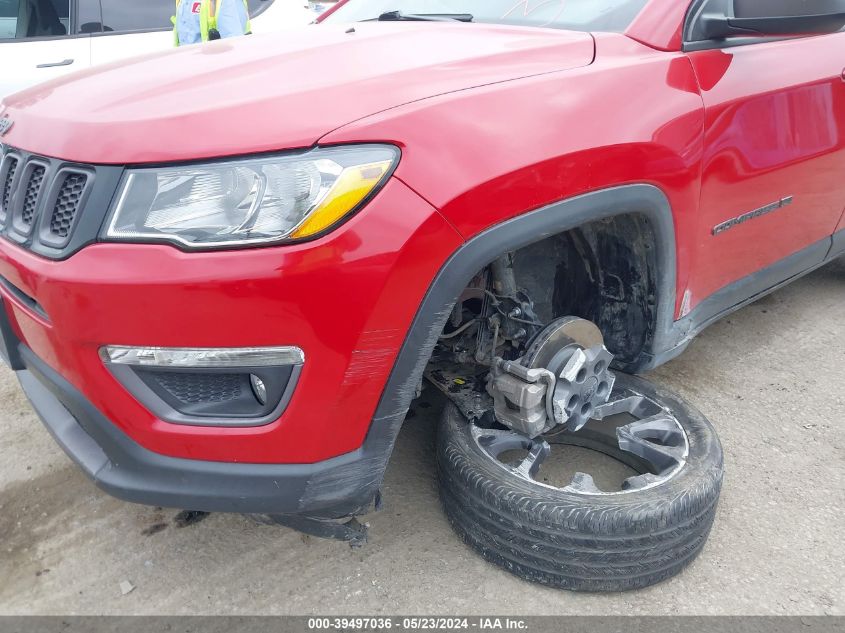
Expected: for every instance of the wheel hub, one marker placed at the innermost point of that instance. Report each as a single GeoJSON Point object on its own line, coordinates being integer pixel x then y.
{"type": "Point", "coordinates": [583, 382]}
{"type": "Point", "coordinates": [560, 380]}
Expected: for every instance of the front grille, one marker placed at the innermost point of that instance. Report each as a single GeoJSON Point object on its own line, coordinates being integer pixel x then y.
{"type": "Point", "coordinates": [30, 199]}
{"type": "Point", "coordinates": [52, 207]}
{"type": "Point", "coordinates": [67, 203]}
{"type": "Point", "coordinates": [197, 388]}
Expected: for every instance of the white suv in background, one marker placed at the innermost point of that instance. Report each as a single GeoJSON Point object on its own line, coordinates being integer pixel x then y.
{"type": "Point", "coordinates": [44, 39]}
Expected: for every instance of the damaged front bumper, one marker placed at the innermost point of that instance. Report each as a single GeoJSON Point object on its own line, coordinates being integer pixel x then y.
{"type": "Point", "coordinates": [335, 488]}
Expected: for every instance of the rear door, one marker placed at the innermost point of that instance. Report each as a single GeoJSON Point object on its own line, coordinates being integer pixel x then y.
{"type": "Point", "coordinates": [774, 157]}
{"type": "Point", "coordinates": [39, 40]}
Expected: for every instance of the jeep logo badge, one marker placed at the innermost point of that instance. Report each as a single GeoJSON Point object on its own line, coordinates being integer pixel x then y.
{"type": "Point", "coordinates": [5, 125]}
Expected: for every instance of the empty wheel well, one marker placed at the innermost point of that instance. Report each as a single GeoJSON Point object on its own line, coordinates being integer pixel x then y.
{"type": "Point", "coordinates": [616, 264]}
{"type": "Point", "coordinates": [604, 271]}
{"type": "Point", "coordinates": [626, 234]}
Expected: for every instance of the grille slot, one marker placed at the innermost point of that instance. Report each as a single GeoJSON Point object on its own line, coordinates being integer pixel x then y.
{"type": "Point", "coordinates": [30, 200]}
{"type": "Point", "coordinates": [199, 388]}
{"type": "Point", "coordinates": [10, 169]}
{"type": "Point", "coordinates": [67, 203]}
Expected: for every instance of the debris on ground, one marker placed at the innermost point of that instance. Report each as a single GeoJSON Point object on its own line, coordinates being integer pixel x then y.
{"type": "Point", "coordinates": [155, 528]}
{"type": "Point", "coordinates": [189, 517]}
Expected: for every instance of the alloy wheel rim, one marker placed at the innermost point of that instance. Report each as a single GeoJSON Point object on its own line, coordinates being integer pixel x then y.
{"type": "Point", "coordinates": [654, 438]}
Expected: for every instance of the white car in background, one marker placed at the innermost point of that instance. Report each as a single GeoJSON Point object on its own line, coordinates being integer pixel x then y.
{"type": "Point", "coordinates": [45, 39]}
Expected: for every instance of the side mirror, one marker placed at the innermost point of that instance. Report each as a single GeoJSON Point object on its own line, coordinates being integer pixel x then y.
{"type": "Point", "coordinates": [756, 18]}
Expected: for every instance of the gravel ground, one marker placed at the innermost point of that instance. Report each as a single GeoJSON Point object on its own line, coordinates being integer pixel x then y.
{"type": "Point", "coordinates": [769, 377]}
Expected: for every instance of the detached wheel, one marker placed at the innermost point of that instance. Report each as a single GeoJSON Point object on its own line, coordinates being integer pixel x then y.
{"type": "Point", "coordinates": [578, 536]}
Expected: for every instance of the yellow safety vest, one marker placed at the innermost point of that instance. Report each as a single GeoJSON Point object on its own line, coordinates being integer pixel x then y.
{"type": "Point", "coordinates": [208, 18]}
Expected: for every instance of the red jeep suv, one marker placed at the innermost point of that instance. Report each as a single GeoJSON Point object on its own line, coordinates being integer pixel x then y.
{"type": "Point", "coordinates": [227, 270]}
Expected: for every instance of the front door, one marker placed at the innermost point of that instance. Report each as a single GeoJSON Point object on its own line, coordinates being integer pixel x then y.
{"type": "Point", "coordinates": [773, 159]}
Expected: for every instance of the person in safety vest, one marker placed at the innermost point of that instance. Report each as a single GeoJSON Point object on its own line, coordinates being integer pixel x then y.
{"type": "Point", "coordinates": [203, 20]}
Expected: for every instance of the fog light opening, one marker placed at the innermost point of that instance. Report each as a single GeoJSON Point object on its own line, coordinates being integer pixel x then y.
{"type": "Point", "coordinates": [258, 388]}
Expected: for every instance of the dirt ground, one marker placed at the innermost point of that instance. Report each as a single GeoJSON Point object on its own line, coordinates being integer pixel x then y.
{"type": "Point", "coordinates": [771, 378]}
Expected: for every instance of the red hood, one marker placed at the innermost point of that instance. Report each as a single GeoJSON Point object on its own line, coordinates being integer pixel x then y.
{"type": "Point", "coordinates": [269, 92]}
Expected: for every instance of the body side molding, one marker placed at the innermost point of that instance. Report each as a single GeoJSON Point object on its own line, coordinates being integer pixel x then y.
{"type": "Point", "coordinates": [748, 290]}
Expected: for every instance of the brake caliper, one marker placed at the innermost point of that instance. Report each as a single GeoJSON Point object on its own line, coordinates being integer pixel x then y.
{"type": "Point", "coordinates": [560, 380]}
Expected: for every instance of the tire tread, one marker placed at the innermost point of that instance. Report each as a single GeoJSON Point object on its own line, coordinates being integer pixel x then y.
{"type": "Point", "coordinates": [581, 542]}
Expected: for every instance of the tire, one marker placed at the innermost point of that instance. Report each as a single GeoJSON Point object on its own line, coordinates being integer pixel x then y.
{"type": "Point", "coordinates": [578, 541]}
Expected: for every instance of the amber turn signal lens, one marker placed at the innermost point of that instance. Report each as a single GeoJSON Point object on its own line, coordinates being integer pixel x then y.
{"type": "Point", "coordinates": [350, 189]}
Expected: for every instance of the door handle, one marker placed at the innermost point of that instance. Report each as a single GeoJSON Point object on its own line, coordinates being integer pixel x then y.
{"type": "Point", "coordinates": [65, 62]}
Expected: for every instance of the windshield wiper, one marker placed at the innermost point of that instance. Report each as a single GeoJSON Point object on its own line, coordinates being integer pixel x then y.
{"type": "Point", "coordinates": [398, 16]}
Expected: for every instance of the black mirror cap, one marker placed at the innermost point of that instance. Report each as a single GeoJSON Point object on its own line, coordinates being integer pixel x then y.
{"type": "Point", "coordinates": [720, 27]}
{"type": "Point", "coordinates": [786, 8]}
{"type": "Point", "coordinates": [774, 18]}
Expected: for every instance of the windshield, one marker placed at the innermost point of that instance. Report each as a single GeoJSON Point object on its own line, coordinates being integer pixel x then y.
{"type": "Point", "coordinates": [578, 15]}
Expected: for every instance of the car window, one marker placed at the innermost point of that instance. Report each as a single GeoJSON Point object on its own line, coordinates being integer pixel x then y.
{"type": "Point", "coordinates": [149, 15]}
{"type": "Point", "coordinates": [88, 18]}
{"type": "Point", "coordinates": [257, 6]}
{"type": "Point", "coordinates": [137, 15]}
{"type": "Point", "coordinates": [22, 19]}
{"type": "Point", "coordinates": [580, 15]}
{"type": "Point", "coordinates": [8, 18]}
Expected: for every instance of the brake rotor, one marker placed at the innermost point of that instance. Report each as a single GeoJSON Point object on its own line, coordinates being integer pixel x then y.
{"type": "Point", "coordinates": [573, 350]}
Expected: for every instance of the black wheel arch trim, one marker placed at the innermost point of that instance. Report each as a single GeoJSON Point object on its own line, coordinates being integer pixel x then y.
{"type": "Point", "coordinates": [518, 232]}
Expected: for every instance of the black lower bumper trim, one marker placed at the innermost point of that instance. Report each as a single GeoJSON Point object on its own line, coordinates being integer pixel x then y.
{"type": "Point", "coordinates": [339, 487]}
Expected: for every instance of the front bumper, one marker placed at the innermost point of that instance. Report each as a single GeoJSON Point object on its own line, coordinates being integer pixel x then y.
{"type": "Point", "coordinates": [335, 488]}
{"type": "Point", "coordinates": [347, 300]}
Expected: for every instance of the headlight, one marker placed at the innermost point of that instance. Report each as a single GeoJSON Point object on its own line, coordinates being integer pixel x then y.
{"type": "Point", "coordinates": [250, 201]}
